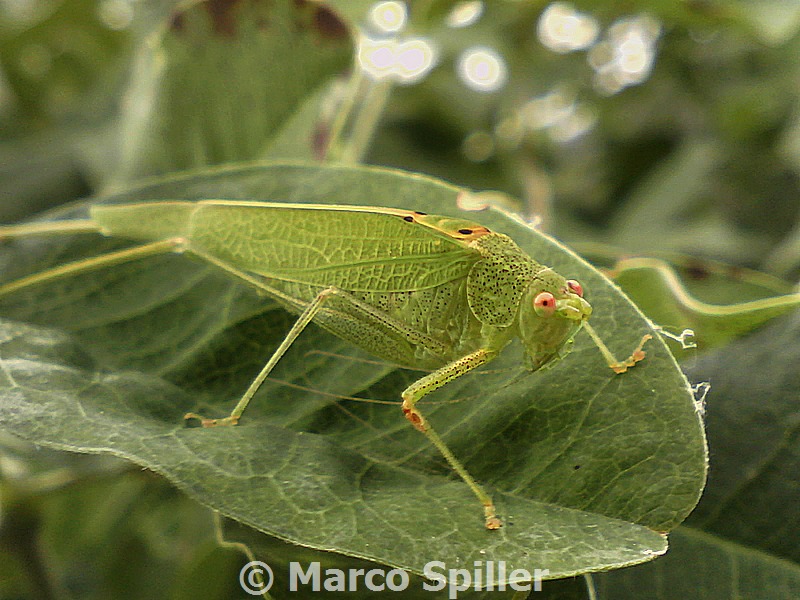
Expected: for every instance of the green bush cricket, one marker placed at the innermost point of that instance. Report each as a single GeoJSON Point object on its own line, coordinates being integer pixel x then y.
{"type": "Point", "coordinates": [427, 292]}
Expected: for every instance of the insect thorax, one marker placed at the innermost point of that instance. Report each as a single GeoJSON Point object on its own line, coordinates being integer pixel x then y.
{"type": "Point", "coordinates": [497, 282]}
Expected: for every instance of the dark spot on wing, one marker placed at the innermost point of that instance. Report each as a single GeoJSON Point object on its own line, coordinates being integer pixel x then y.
{"type": "Point", "coordinates": [422, 214]}
{"type": "Point", "coordinates": [470, 234]}
{"type": "Point", "coordinates": [408, 218]}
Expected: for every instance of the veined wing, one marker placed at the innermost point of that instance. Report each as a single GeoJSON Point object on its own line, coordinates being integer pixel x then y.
{"type": "Point", "coordinates": [353, 248]}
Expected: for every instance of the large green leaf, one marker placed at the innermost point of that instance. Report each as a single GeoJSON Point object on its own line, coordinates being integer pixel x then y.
{"type": "Point", "coordinates": [585, 466]}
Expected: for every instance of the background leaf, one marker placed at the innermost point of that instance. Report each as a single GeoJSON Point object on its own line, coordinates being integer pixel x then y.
{"type": "Point", "coordinates": [209, 91]}
{"type": "Point", "coordinates": [659, 292]}
{"type": "Point", "coordinates": [48, 520]}
{"type": "Point", "coordinates": [753, 418]}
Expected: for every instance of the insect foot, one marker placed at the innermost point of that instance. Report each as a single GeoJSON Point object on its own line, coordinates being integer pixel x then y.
{"type": "Point", "coordinates": [492, 520]}
{"type": "Point", "coordinates": [204, 422]}
{"type": "Point", "coordinates": [637, 355]}
{"type": "Point", "coordinates": [618, 366]}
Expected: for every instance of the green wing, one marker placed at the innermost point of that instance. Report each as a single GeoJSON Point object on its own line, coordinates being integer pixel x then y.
{"type": "Point", "coordinates": [353, 248]}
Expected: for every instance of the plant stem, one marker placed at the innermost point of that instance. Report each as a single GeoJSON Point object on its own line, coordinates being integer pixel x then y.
{"type": "Point", "coordinates": [357, 118]}
{"type": "Point", "coordinates": [366, 120]}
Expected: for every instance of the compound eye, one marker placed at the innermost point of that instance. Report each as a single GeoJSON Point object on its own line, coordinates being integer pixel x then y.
{"type": "Point", "coordinates": [575, 287]}
{"type": "Point", "coordinates": [544, 304]}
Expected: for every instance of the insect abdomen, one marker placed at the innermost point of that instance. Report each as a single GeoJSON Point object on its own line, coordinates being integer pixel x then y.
{"type": "Point", "coordinates": [435, 322]}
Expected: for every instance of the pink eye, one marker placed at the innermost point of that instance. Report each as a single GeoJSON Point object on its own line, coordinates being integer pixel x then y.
{"type": "Point", "coordinates": [575, 287]}
{"type": "Point", "coordinates": [544, 304]}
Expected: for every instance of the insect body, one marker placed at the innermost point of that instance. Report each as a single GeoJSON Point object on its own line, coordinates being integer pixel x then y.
{"type": "Point", "coordinates": [422, 291]}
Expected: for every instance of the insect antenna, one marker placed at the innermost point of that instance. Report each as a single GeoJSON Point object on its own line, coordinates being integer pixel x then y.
{"type": "Point", "coordinates": [495, 371]}
{"type": "Point", "coordinates": [685, 338]}
{"type": "Point", "coordinates": [8, 232]}
{"type": "Point", "coordinates": [313, 390]}
{"type": "Point", "coordinates": [400, 452]}
{"type": "Point", "coordinates": [383, 363]}
{"type": "Point", "coordinates": [358, 359]}
{"type": "Point", "coordinates": [367, 445]}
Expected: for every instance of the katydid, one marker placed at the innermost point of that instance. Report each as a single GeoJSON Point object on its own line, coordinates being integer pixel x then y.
{"type": "Point", "coordinates": [427, 292]}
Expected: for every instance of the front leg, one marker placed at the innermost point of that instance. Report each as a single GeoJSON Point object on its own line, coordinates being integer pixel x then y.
{"type": "Point", "coordinates": [426, 385]}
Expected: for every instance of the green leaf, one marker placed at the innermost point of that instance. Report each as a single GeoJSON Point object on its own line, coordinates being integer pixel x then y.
{"type": "Point", "coordinates": [699, 565]}
{"type": "Point", "coordinates": [660, 294]}
{"type": "Point", "coordinates": [279, 555]}
{"type": "Point", "coordinates": [57, 63]}
{"type": "Point", "coordinates": [36, 173]}
{"type": "Point", "coordinates": [585, 466]}
{"type": "Point", "coordinates": [79, 526]}
{"type": "Point", "coordinates": [220, 81]}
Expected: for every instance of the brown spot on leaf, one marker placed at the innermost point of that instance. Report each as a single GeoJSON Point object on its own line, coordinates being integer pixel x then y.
{"type": "Point", "coordinates": [329, 24]}
{"type": "Point", "coordinates": [262, 23]}
{"type": "Point", "coordinates": [223, 17]}
{"type": "Point", "coordinates": [736, 272]}
{"type": "Point", "coordinates": [319, 20]}
{"type": "Point", "coordinates": [697, 271]}
{"type": "Point", "coordinates": [177, 22]}
{"type": "Point", "coordinates": [319, 141]}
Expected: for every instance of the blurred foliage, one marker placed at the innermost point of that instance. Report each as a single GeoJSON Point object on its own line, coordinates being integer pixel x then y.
{"type": "Point", "coordinates": [699, 161]}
